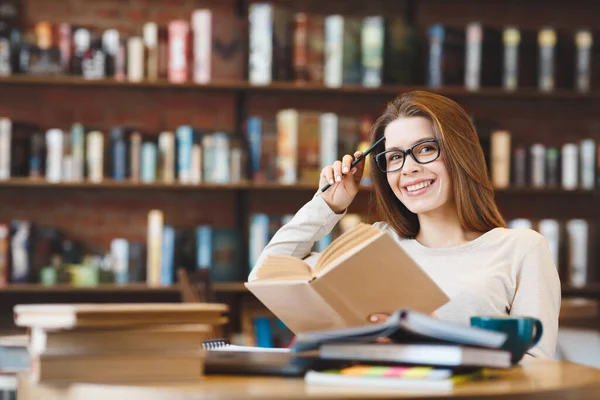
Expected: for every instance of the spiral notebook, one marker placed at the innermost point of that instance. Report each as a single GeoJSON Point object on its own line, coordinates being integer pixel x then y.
{"type": "Point", "coordinates": [222, 357]}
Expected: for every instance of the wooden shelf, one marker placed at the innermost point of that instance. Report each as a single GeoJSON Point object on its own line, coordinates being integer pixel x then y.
{"type": "Point", "coordinates": [293, 87]}
{"type": "Point", "coordinates": [592, 289]}
{"type": "Point", "coordinates": [112, 288]}
{"type": "Point", "coordinates": [242, 185]}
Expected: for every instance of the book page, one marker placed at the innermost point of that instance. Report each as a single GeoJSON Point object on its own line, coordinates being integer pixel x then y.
{"type": "Point", "coordinates": [357, 233]}
{"type": "Point", "coordinates": [346, 248]}
{"type": "Point", "coordinates": [283, 267]}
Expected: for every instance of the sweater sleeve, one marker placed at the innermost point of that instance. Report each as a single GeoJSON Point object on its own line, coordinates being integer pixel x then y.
{"type": "Point", "coordinates": [296, 238]}
{"type": "Point", "coordinates": [538, 294]}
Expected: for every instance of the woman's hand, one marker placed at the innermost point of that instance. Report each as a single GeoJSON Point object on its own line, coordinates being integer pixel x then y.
{"type": "Point", "coordinates": [344, 182]}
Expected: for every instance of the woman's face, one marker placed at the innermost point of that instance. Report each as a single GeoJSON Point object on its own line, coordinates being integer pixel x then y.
{"type": "Point", "coordinates": [422, 188]}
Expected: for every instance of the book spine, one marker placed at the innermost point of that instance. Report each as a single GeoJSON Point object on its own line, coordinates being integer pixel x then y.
{"type": "Point", "coordinates": [5, 57]}
{"type": "Point", "coordinates": [500, 165]}
{"type": "Point", "coordinates": [20, 251]}
{"type": "Point", "coordinates": [95, 155]}
{"type": "Point", "coordinates": [328, 127]}
{"type": "Point", "coordinates": [208, 157]}
{"type": "Point", "coordinates": [204, 246]}
{"type": "Point", "coordinates": [569, 166]}
{"type": "Point", "coordinates": [167, 267]}
{"type": "Point", "coordinates": [260, 62]}
{"type": "Point", "coordinates": [221, 171]}
{"type": "Point", "coordinates": [511, 38]}
{"type": "Point", "coordinates": [538, 165]}
{"type": "Point", "coordinates": [474, 36]}
{"type": "Point", "coordinates": [185, 138]}
{"type": "Point", "coordinates": [151, 50]}
{"type": "Point", "coordinates": [436, 35]}
{"type": "Point", "coordinates": [135, 59]}
{"type": "Point", "coordinates": [552, 166]}
{"type": "Point", "coordinates": [166, 148]}
{"type": "Point", "coordinates": [254, 138]}
{"type": "Point", "coordinates": [4, 254]}
{"type": "Point", "coordinates": [154, 247]}
{"type": "Point", "coordinates": [37, 160]}
{"type": "Point", "coordinates": [78, 151]}
{"type": "Point", "coordinates": [583, 44]}
{"type": "Point", "coordinates": [587, 151]}
{"type": "Point", "coordinates": [54, 144]}
{"type": "Point", "coordinates": [202, 30]}
{"type": "Point", "coordinates": [259, 237]}
{"type": "Point", "coordinates": [287, 146]}
{"type": "Point", "coordinates": [300, 47]}
{"type": "Point", "coordinates": [135, 154]}
{"type": "Point", "coordinates": [520, 166]}
{"type": "Point", "coordinates": [372, 46]}
{"type": "Point", "coordinates": [196, 174]}
{"type": "Point", "coordinates": [334, 50]}
{"type": "Point", "coordinates": [5, 147]}
{"type": "Point", "coordinates": [179, 32]}
{"type": "Point", "coordinates": [547, 44]}
{"type": "Point", "coordinates": [577, 232]}
{"type": "Point", "coordinates": [236, 169]}
{"type": "Point", "coordinates": [119, 154]}
{"type": "Point", "coordinates": [119, 251]}
{"type": "Point", "coordinates": [148, 163]}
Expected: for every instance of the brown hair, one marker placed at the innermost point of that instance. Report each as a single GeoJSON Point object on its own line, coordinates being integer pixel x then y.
{"type": "Point", "coordinates": [473, 192]}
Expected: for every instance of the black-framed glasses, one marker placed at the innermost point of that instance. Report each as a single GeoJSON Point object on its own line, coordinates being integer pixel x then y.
{"type": "Point", "coordinates": [423, 152]}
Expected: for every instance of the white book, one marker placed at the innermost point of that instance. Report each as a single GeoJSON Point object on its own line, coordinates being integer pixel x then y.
{"type": "Point", "coordinates": [538, 165]}
{"type": "Point", "coordinates": [202, 47]}
{"type": "Point", "coordinates": [550, 229]}
{"type": "Point", "coordinates": [77, 151]}
{"type": "Point", "coordinates": [473, 56]}
{"type": "Point", "coordinates": [587, 151]}
{"type": "Point", "coordinates": [511, 38]}
{"type": "Point", "coordinates": [334, 51]}
{"type": "Point", "coordinates": [95, 156]}
{"type": "Point", "coordinates": [287, 146]}
{"type": "Point", "coordinates": [261, 44]}
{"type": "Point", "coordinates": [328, 126]}
{"type": "Point", "coordinates": [259, 236]}
{"type": "Point", "coordinates": [154, 247]}
{"type": "Point", "coordinates": [185, 139]}
{"type": "Point", "coordinates": [119, 251]}
{"type": "Point", "coordinates": [569, 166]}
{"type": "Point", "coordinates": [135, 59]}
{"type": "Point", "coordinates": [67, 168]}
{"type": "Point", "coordinates": [577, 233]}
{"type": "Point", "coordinates": [54, 145]}
{"type": "Point", "coordinates": [221, 172]}
{"type": "Point", "coordinates": [151, 50]}
{"type": "Point", "coordinates": [208, 157]}
{"type": "Point", "coordinates": [5, 146]}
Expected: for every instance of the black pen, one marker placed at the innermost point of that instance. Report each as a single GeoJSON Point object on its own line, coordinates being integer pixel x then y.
{"type": "Point", "coordinates": [357, 160]}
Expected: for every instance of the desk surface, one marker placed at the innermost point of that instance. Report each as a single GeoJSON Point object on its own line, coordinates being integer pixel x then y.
{"type": "Point", "coordinates": [541, 379]}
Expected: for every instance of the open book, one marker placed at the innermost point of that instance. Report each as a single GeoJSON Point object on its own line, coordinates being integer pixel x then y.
{"type": "Point", "coordinates": [362, 272]}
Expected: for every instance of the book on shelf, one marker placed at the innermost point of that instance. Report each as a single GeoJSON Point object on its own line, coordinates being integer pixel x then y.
{"type": "Point", "coordinates": [362, 272]}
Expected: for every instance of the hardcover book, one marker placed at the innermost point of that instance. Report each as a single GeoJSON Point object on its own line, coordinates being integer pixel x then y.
{"type": "Point", "coordinates": [362, 272]}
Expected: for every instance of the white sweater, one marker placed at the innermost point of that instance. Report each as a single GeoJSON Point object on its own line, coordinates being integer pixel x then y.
{"type": "Point", "coordinates": [502, 272]}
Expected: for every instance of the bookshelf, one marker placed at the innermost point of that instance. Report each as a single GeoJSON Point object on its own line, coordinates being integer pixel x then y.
{"type": "Point", "coordinates": [298, 88]}
{"type": "Point", "coordinates": [57, 101]}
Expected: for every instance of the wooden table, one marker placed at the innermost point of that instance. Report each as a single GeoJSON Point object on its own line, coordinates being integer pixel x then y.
{"type": "Point", "coordinates": [536, 379]}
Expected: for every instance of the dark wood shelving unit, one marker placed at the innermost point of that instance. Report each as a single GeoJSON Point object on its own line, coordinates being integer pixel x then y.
{"type": "Point", "coordinates": [111, 288]}
{"type": "Point", "coordinates": [245, 185]}
{"type": "Point", "coordinates": [297, 88]}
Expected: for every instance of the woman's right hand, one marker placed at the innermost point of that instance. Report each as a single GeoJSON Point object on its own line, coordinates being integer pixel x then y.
{"type": "Point", "coordinates": [344, 182]}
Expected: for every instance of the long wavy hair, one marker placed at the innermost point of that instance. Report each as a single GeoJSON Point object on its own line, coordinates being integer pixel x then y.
{"type": "Point", "coordinates": [463, 155]}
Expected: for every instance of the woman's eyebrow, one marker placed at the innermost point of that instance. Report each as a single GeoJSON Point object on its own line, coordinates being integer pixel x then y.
{"type": "Point", "coordinates": [411, 145]}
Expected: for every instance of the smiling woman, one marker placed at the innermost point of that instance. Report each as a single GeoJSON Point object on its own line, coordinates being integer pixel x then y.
{"type": "Point", "coordinates": [435, 199]}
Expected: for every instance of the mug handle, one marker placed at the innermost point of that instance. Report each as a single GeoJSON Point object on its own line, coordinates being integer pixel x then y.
{"type": "Point", "coordinates": [539, 329]}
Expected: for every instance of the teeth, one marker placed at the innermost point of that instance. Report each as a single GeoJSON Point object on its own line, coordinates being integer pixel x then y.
{"type": "Point", "coordinates": [418, 186]}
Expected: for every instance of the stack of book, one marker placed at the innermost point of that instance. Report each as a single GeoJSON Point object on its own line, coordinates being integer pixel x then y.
{"type": "Point", "coordinates": [117, 343]}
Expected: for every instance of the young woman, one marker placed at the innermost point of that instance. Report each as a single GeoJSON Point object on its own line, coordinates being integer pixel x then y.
{"type": "Point", "coordinates": [435, 198]}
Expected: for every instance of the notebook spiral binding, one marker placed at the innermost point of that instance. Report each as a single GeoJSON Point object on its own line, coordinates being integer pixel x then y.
{"type": "Point", "coordinates": [215, 343]}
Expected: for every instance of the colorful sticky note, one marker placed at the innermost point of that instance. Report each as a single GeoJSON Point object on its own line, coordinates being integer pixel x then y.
{"type": "Point", "coordinates": [418, 372]}
{"type": "Point", "coordinates": [396, 372]}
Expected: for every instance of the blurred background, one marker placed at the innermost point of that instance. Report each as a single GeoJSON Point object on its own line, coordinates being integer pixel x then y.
{"type": "Point", "coordinates": [142, 141]}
